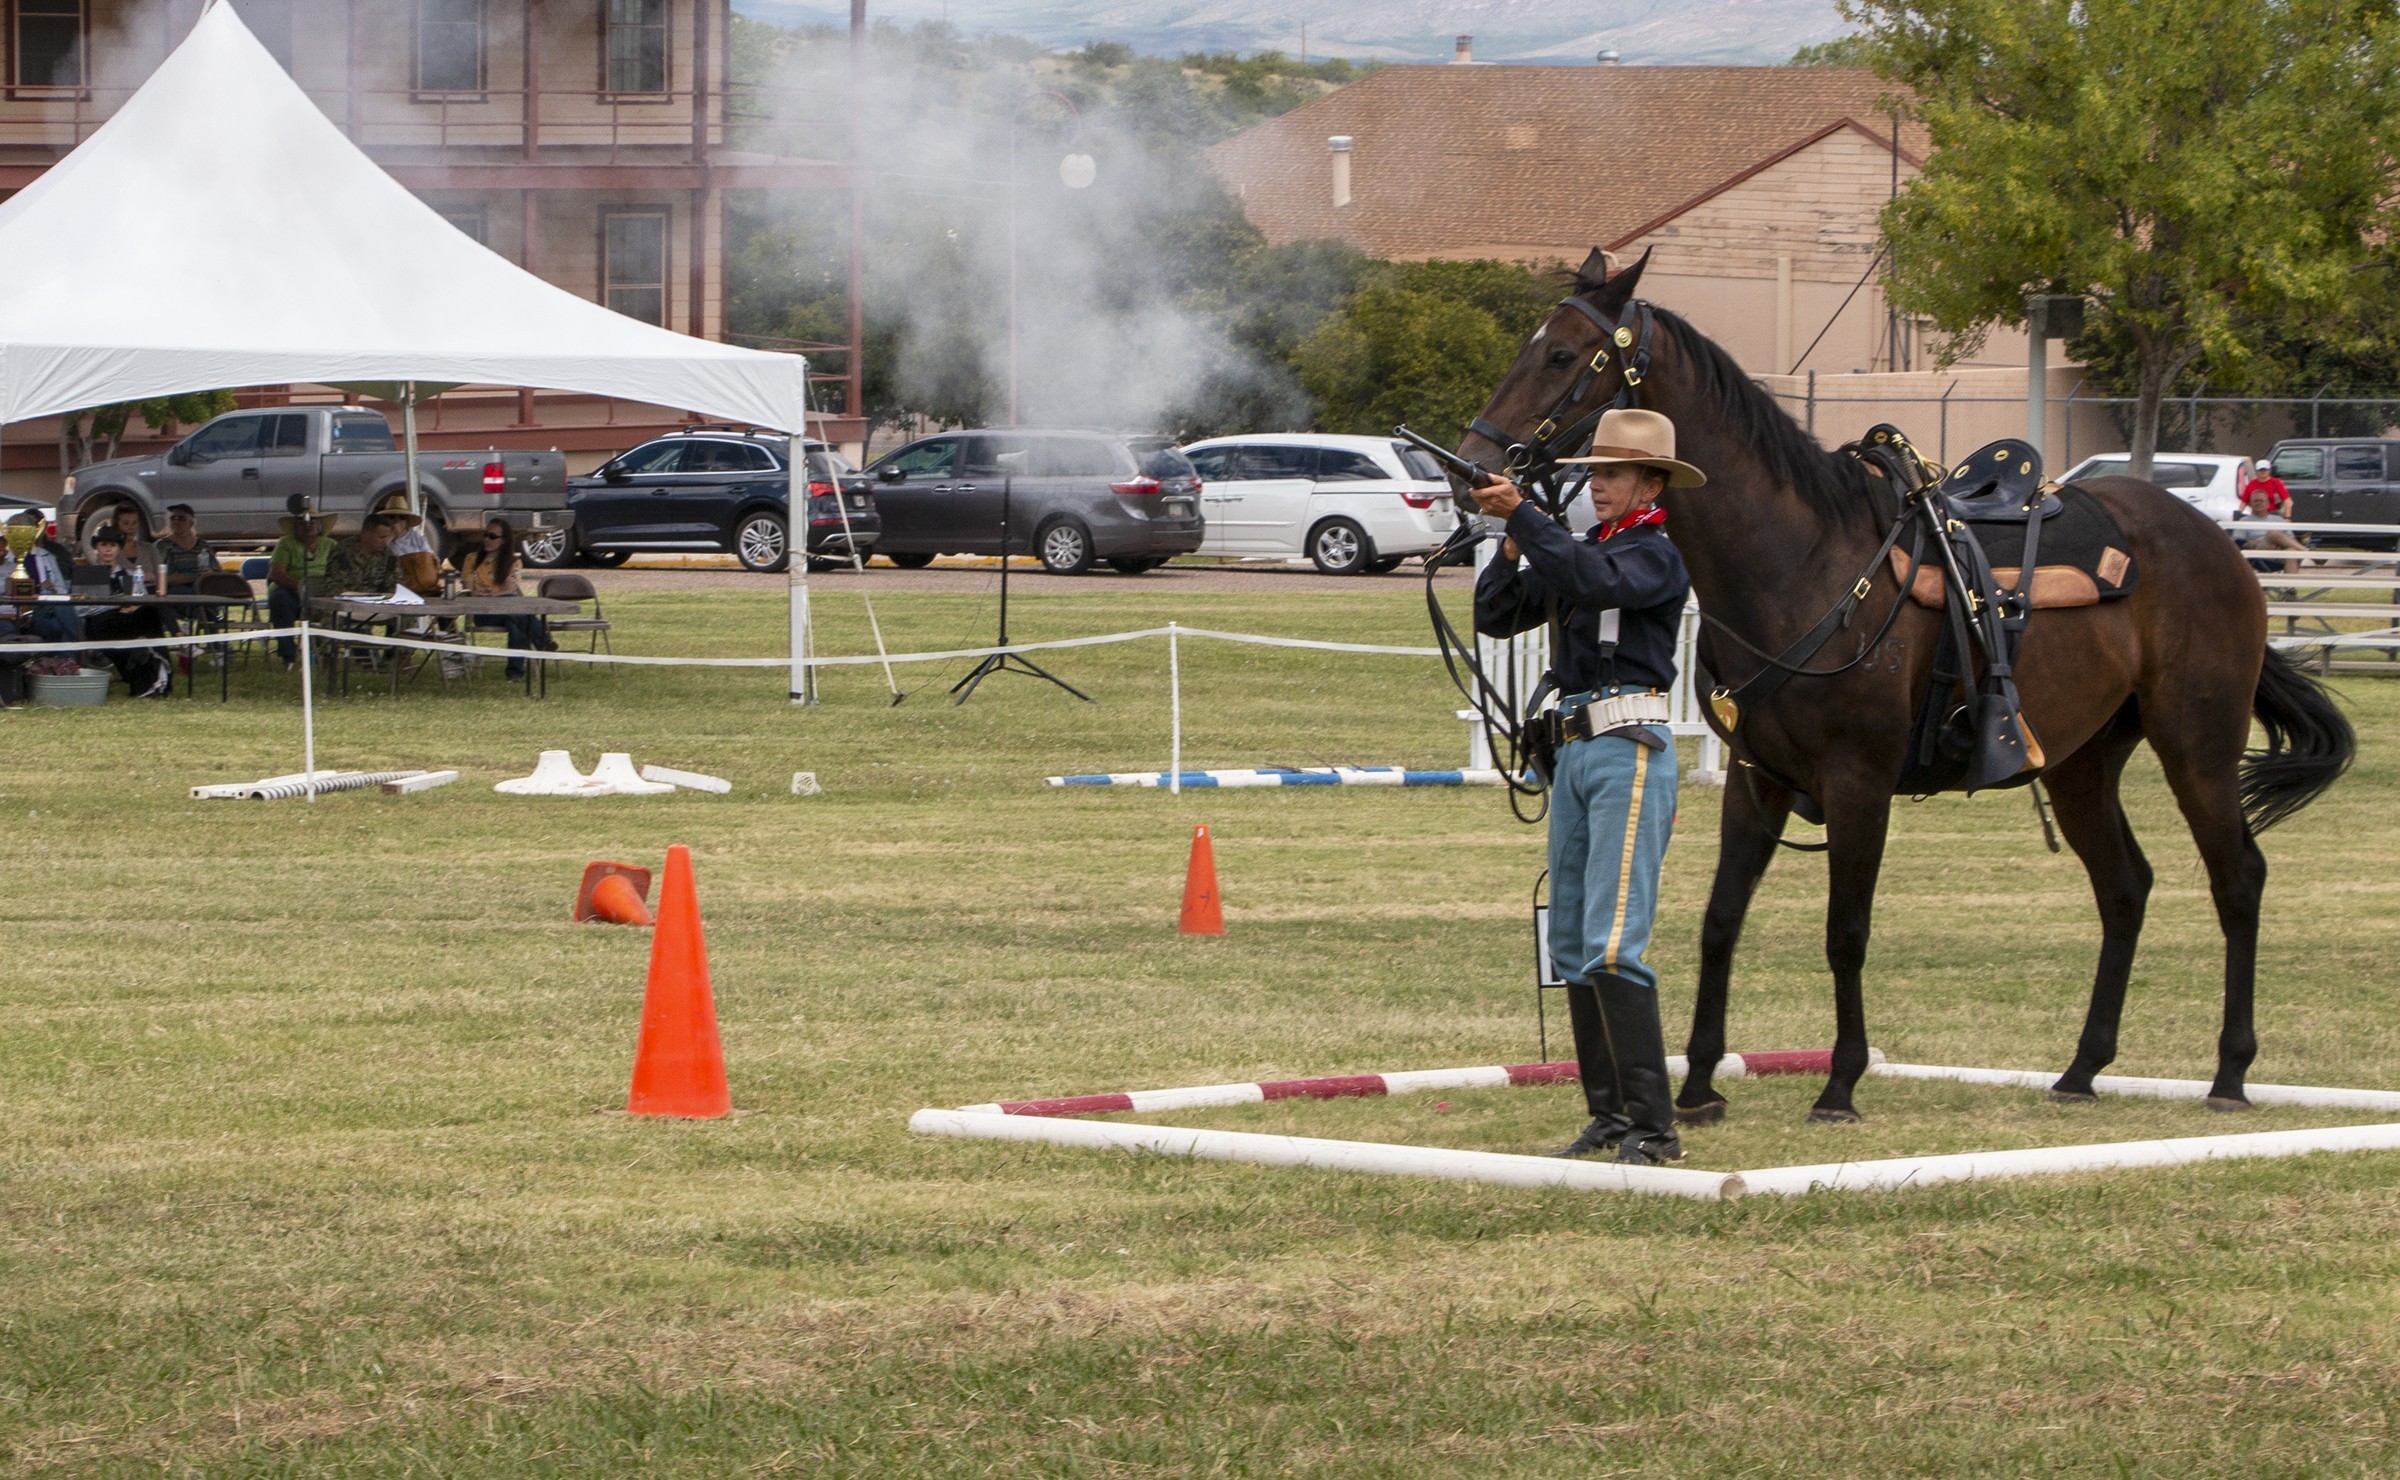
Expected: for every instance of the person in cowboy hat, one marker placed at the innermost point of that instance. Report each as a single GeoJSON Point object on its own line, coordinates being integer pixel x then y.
{"type": "Point", "coordinates": [1619, 593]}
{"type": "Point", "coordinates": [296, 569]}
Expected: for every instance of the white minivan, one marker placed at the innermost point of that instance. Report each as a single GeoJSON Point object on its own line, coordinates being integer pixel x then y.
{"type": "Point", "coordinates": [2209, 482]}
{"type": "Point", "coordinates": [1353, 505]}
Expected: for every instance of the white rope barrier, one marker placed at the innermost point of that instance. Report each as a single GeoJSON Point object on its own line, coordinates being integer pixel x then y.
{"type": "Point", "coordinates": [350, 638]}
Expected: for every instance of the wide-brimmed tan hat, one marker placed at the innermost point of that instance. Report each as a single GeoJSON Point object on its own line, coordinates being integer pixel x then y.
{"type": "Point", "coordinates": [301, 506]}
{"type": "Point", "coordinates": [1643, 438]}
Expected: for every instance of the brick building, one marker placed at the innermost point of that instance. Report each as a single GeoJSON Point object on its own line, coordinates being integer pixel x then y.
{"type": "Point", "coordinates": [1759, 188]}
{"type": "Point", "coordinates": [590, 141]}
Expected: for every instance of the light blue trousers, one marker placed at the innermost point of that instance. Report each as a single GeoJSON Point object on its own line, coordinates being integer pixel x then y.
{"type": "Point", "coordinates": [1612, 809]}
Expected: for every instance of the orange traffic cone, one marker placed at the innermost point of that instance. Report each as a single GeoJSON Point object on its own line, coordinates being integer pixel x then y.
{"type": "Point", "coordinates": [615, 893]}
{"type": "Point", "coordinates": [1203, 914]}
{"type": "Point", "coordinates": [679, 1066]}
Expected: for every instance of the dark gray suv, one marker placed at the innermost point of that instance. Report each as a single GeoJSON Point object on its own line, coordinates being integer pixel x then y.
{"type": "Point", "coordinates": [1076, 497]}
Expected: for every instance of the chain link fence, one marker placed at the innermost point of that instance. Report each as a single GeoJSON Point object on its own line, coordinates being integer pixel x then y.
{"type": "Point", "coordinates": [2080, 424]}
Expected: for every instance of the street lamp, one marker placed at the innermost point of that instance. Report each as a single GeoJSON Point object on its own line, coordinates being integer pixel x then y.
{"type": "Point", "coordinates": [1076, 172]}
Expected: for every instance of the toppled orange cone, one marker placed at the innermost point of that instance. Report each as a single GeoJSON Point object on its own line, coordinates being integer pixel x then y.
{"type": "Point", "coordinates": [616, 893]}
{"type": "Point", "coordinates": [679, 1065]}
{"type": "Point", "coordinates": [1203, 913]}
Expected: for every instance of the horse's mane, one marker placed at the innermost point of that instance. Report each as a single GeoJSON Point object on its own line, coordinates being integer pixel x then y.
{"type": "Point", "coordinates": [1836, 487]}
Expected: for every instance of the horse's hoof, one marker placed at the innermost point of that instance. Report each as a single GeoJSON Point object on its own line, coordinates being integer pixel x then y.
{"type": "Point", "coordinates": [1820, 1115]}
{"type": "Point", "coordinates": [2227, 1105]}
{"type": "Point", "coordinates": [1708, 1112]}
{"type": "Point", "coordinates": [2073, 1097]}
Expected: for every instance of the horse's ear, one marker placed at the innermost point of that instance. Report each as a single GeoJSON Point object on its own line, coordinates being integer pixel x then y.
{"type": "Point", "coordinates": [1617, 291]}
{"type": "Point", "coordinates": [1596, 268]}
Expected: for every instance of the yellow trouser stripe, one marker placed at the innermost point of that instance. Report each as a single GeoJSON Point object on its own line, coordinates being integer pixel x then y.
{"type": "Point", "coordinates": [1633, 833]}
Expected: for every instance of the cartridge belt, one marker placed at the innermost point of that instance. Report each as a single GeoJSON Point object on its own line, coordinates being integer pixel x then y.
{"type": "Point", "coordinates": [1636, 712]}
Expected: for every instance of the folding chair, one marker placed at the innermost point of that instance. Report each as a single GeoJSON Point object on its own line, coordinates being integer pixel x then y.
{"type": "Point", "coordinates": [577, 588]}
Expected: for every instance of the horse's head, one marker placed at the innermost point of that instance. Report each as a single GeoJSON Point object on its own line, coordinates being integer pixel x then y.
{"type": "Point", "coordinates": [1564, 375]}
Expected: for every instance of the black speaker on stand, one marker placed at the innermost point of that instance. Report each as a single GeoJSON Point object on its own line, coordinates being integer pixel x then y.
{"type": "Point", "coordinates": [1008, 662]}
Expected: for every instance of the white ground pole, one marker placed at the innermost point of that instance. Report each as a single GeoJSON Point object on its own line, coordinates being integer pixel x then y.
{"type": "Point", "coordinates": [1977, 1166]}
{"type": "Point", "coordinates": [1890, 1174]}
{"type": "Point", "coordinates": [308, 715]}
{"type": "Point", "coordinates": [2155, 1089]}
{"type": "Point", "coordinates": [1175, 716]}
{"type": "Point", "coordinates": [1369, 1157]}
{"type": "Point", "coordinates": [804, 673]}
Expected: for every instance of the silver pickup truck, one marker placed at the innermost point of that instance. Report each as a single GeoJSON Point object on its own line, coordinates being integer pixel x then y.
{"type": "Point", "coordinates": [239, 470]}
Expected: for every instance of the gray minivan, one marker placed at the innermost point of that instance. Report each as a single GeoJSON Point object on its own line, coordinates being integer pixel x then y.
{"type": "Point", "coordinates": [1073, 498]}
{"type": "Point", "coordinates": [2341, 480]}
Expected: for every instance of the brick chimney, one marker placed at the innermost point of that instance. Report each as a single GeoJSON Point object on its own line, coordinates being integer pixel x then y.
{"type": "Point", "coordinates": [1466, 51]}
{"type": "Point", "coordinates": [1339, 146]}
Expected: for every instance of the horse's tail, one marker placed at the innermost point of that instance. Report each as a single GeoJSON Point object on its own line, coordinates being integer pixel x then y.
{"type": "Point", "coordinates": [2309, 744]}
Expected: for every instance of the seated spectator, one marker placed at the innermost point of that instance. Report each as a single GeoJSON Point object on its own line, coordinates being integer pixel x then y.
{"type": "Point", "coordinates": [51, 567]}
{"type": "Point", "coordinates": [365, 563]}
{"type": "Point", "coordinates": [420, 562]}
{"type": "Point", "coordinates": [183, 557]}
{"type": "Point", "coordinates": [134, 536]}
{"type": "Point", "coordinates": [296, 573]}
{"type": "Point", "coordinates": [2265, 503]}
{"type": "Point", "coordinates": [146, 675]}
{"type": "Point", "coordinates": [45, 622]}
{"type": "Point", "coordinates": [490, 569]}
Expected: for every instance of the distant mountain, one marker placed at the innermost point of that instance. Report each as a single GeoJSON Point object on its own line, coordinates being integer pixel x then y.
{"type": "Point", "coordinates": [1642, 31]}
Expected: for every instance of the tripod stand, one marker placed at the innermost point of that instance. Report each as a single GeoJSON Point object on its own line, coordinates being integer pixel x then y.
{"type": "Point", "coordinates": [1006, 662]}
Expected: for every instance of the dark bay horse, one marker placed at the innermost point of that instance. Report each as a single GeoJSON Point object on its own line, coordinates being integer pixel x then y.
{"type": "Point", "coordinates": [1784, 529]}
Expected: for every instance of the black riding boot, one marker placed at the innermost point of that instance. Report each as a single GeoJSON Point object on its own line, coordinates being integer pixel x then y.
{"type": "Point", "coordinates": [1599, 1075]}
{"type": "Point", "coordinates": [1630, 1011]}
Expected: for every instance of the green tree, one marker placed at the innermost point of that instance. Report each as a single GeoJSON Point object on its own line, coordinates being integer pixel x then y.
{"type": "Point", "coordinates": [1422, 342]}
{"type": "Point", "coordinates": [92, 436]}
{"type": "Point", "coordinates": [1841, 51]}
{"type": "Point", "coordinates": [2204, 170]}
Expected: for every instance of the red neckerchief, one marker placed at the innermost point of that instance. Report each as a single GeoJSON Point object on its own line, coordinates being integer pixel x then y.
{"type": "Point", "coordinates": [1635, 520]}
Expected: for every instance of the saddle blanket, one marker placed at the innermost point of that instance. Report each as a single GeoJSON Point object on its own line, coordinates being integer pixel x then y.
{"type": "Point", "coordinates": [2084, 556]}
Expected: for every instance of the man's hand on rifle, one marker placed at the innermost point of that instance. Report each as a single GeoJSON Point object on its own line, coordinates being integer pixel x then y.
{"type": "Point", "coordinates": [1499, 498]}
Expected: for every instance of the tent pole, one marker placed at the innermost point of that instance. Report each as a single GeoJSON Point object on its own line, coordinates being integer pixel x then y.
{"type": "Point", "coordinates": [795, 558]}
{"type": "Point", "coordinates": [408, 443]}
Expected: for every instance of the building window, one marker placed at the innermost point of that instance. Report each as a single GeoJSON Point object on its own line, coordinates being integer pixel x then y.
{"type": "Point", "coordinates": [468, 219]}
{"type": "Point", "coordinates": [633, 264]}
{"type": "Point", "coordinates": [635, 46]}
{"type": "Point", "coordinates": [449, 46]}
{"type": "Point", "coordinates": [49, 43]}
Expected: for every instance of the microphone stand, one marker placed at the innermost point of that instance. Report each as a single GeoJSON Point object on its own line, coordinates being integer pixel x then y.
{"type": "Point", "coordinates": [1006, 662]}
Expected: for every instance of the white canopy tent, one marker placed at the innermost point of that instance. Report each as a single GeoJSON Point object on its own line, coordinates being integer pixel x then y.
{"type": "Point", "coordinates": [219, 230]}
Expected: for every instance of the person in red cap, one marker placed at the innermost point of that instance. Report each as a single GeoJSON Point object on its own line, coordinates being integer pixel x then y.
{"type": "Point", "coordinates": [2267, 503]}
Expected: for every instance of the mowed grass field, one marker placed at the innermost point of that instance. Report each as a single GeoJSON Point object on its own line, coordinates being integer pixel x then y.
{"type": "Point", "coordinates": [306, 1165]}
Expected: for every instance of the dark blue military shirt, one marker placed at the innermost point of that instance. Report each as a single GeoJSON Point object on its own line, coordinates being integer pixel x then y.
{"type": "Point", "coordinates": [1638, 571]}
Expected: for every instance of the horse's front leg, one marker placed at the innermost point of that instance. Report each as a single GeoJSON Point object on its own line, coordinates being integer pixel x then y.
{"type": "Point", "coordinates": [1857, 813]}
{"type": "Point", "coordinates": [1753, 817]}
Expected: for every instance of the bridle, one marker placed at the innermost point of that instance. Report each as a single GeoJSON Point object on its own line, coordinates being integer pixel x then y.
{"type": "Point", "coordinates": [1535, 461]}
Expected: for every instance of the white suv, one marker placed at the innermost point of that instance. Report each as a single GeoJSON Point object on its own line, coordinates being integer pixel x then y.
{"type": "Point", "coordinates": [1353, 505]}
{"type": "Point", "coordinates": [2209, 482]}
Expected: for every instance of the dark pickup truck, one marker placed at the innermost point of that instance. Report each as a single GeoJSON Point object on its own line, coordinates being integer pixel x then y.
{"type": "Point", "coordinates": [239, 470]}
{"type": "Point", "coordinates": [2342, 480]}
